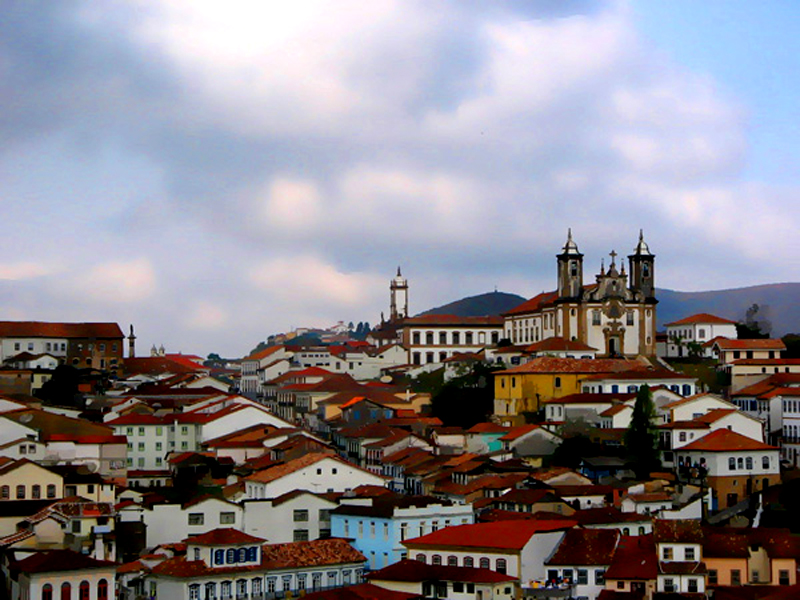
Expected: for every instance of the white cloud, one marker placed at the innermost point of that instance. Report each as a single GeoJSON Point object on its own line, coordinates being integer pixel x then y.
{"type": "Point", "coordinates": [207, 316]}
{"type": "Point", "coordinates": [122, 282]}
{"type": "Point", "coordinates": [18, 271]}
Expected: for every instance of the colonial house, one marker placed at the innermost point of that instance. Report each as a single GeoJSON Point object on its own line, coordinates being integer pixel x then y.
{"type": "Point", "coordinates": [581, 560]}
{"type": "Point", "coordinates": [378, 527]}
{"type": "Point", "coordinates": [224, 563]}
{"type": "Point", "coordinates": [296, 516]}
{"type": "Point", "coordinates": [735, 465]}
{"type": "Point", "coordinates": [692, 334]}
{"type": "Point", "coordinates": [431, 339]}
{"type": "Point", "coordinates": [59, 574]}
{"type": "Point", "coordinates": [728, 351]}
{"type": "Point", "coordinates": [518, 548]}
{"type": "Point", "coordinates": [680, 556]}
{"type": "Point", "coordinates": [616, 315]}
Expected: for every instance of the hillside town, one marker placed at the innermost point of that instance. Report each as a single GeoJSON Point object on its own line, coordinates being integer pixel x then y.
{"type": "Point", "coordinates": [570, 447]}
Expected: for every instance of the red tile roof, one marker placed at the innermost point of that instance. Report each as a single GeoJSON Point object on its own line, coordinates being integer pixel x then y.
{"type": "Point", "coordinates": [559, 344]}
{"type": "Point", "coordinates": [635, 559]}
{"type": "Point", "coordinates": [362, 591]}
{"type": "Point", "coordinates": [536, 303]}
{"type": "Point", "coordinates": [16, 329]}
{"type": "Point", "coordinates": [716, 414]}
{"type": "Point", "coordinates": [518, 432]}
{"type": "Point", "coordinates": [552, 364]}
{"type": "Point", "coordinates": [262, 354]}
{"type": "Point", "coordinates": [684, 531]}
{"type": "Point", "coordinates": [505, 535]}
{"type": "Point", "coordinates": [224, 536]}
{"type": "Point", "coordinates": [487, 428]}
{"type": "Point", "coordinates": [725, 440]}
{"type": "Point", "coordinates": [56, 561]}
{"type": "Point", "coordinates": [588, 398]}
{"type": "Point", "coordinates": [768, 344]}
{"type": "Point", "coordinates": [704, 318]}
{"type": "Point", "coordinates": [581, 547]}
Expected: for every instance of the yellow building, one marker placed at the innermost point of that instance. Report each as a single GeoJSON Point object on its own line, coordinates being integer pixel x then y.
{"type": "Point", "coordinates": [522, 389]}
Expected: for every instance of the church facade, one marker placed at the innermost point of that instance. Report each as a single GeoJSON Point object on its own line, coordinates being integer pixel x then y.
{"type": "Point", "coordinates": [616, 314]}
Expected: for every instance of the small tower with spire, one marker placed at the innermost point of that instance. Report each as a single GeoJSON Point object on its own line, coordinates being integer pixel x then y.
{"type": "Point", "coordinates": [398, 289]}
{"type": "Point", "coordinates": [642, 270]}
{"type": "Point", "coordinates": [131, 344]}
{"type": "Point", "coordinates": [570, 269]}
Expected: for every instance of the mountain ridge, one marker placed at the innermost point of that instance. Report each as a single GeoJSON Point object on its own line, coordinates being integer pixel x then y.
{"type": "Point", "coordinates": [778, 303]}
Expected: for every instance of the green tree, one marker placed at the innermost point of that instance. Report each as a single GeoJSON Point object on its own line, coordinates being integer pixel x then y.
{"type": "Point", "coordinates": [466, 400]}
{"type": "Point", "coordinates": [641, 438]}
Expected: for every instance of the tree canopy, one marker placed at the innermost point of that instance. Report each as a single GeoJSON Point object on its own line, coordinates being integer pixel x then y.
{"type": "Point", "coordinates": [641, 438]}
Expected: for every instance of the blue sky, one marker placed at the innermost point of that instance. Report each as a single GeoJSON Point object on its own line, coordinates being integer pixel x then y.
{"type": "Point", "coordinates": [214, 173]}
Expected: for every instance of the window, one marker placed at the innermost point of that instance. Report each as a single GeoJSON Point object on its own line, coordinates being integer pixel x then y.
{"type": "Point", "coordinates": [255, 587]}
{"type": "Point", "coordinates": [731, 464]}
{"type": "Point", "coordinates": [749, 463]}
{"type": "Point", "coordinates": [66, 591]}
{"type": "Point", "coordinates": [692, 586]}
{"type": "Point", "coordinates": [469, 561]}
{"type": "Point", "coordinates": [420, 558]}
{"type": "Point", "coordinates": [436, 559]}
{"type": "Point", "coordinates": [765, 462]}
{"type": "Point", "coordinates": [669, 584]}
{"type": "Point", "coordinates": [456, 338]}
{"type": "Point", "coordinates": [300, 515]}
{"type": "Point", "coordinates": [689, 553]}
{"type": "Point", "coordinates": [754, 576]}
{"type": "Point", "coordinates": [442, 338]}
{"type": "Point", "coordinates": [196, 519]}
{"type": "Point", "coordinates": [194, 591]}
{"type": "Point", "coordinates": [667, 553]}
{"type": "Point", "coordinates": [583, 577]}
{"type": "Point", "coordinates": [47, 592]}
{"type": "Point", "coordinates": [211, 591]}
{"type": "Point", "coordinates": [225, 589]}
{"type": "Point", "coordinates": [20, 492]}
{"type": "Point", "coordinates": [599, 577]}
{"type": "Point", "coordinates": [500, 566]}
{"type": "Point", "coordinates": [783, 577]}
{"type": "Point", "coordinates": [140, 447]}
{"type": "Point", "coordinates": [595, 317]}
{"type": "Point", "coordinates": [629, 318]}
{"type": "Point", "coordinates": [36, 492]}
{"type": "Point", "coordinates": [51, 490]}
{"type": "Point", "coordinates": [458, 587]}
{"type": "Point", "coordinates": [185, 430]}
{"type": "Point", "coordinates": [415, 338]}
{"type": "Point", "coordinates": [5, 492]}
{"type": "Point", "coordinates": [484, 563]}
{"type": "Point", "coordinates": [468, 338]}
{"type": "Point", "coordinates": [452, 561]}
{"type": "Point", "coordinates": [241, 588]}
{"type": "Point", "coordinates": [300, 535]}
{"type": "Point", "coordinates": [557, 382]}
{"type": "Point", "coordinates": [227, 518]}
{"type": "Point", "coordinates": [713, 578]}
{"type": "Point", "coordinates": [736, 577]}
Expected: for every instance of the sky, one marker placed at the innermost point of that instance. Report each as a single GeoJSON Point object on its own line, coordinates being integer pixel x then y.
{"type": "Point", "coordinates": [214, 172]}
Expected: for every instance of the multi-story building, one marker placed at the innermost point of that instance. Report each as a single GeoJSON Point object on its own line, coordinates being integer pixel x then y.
{"type": "Point", "coordinates": [379, 526]}
{"type": "Point", "coordinates": [95, 345]}
{"type": "Point", "coordinates": [680, 556]}
{"type": "Point", "coordinates": [431, 339]}
{"type": "Point", "coordinates": [616, 315]}
{"type": "Point", "coordinates": [697, 330]}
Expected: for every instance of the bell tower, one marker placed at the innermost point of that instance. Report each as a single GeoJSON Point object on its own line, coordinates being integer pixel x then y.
{"type": "Point", "coordinates": [570, 270]}
{"type": "Point", "coordinates": [642, 270]}
{"type": "Point", "coordinates": [398, 289]}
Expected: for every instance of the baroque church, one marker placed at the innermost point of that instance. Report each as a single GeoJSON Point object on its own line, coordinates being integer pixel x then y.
{"type": "Point", "coordinates": [615, 315]}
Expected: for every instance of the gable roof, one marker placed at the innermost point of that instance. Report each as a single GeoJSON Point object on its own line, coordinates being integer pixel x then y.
{"type": "Point", "coordinates": [702, 318]}
{"type": "Point", "coordinates": [223, 536]}
{"type": "Point", "coordinates": [586, 547]}
{"type": "Point", "coordinates": [634, 559]}
{"type": "Point", "coordinates": [505, 535]}
{"type": "Point", "coordinates": [725, 440]}
{"type": "Point", "coordinates": [56, 561]}
{"type": "Point", "coordinates": [37, 329]}
{"type": "Point", "coordinates": [759, 344]}
{"type": "Point", "coordinates": [536, 303]}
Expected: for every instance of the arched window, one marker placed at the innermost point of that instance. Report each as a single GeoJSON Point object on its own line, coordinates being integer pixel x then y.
{"type": "Point", "coordinates": [219, 556]}
{"type": "Point", "coordinates": [626, 531]}
{"type": "Point", "coordinates": [740, 463]}
{"type": "Point", "coordinates": [231, 555]}
{"type": "Point", "coordinates": [102, 590]}
{"type": "Point", "coordinates": [20, 492]}
{"type": "Point", "coordinates": [452, 561]}
{"type": "Point", "coordinates": [5, 492]}
{"type": "Point", "coordinates": [36, 491]}
{"type": "Point", "coordinates": [484, 563]}
{"type": "Point", "coordinates": [469, 561]}
{"type": "Point", "coordinates": [47, 592]}
{"type": "Point", "coordinates": [500, 565]}
{"type": "Point", "coordinates": [194, 591]}
{"type": "Point", "coordinates": [66, 591]}
{"type": "Point", "coordinates": [436, 559]}
{"type": "Point", "coordinates": [420, 558]}
{"type": "Point", "coordinates": [51, 490]}
{"type": "Point", "coordinates": [731, 464]}
{"type": "Point", "coordinates": [749, 463]}
{"type": "Point", "coordinates": [211, 591]}
{"type": "Point", "coordinates": [687, 389]}
{"type": "Point", "coordinates": [83, 590]}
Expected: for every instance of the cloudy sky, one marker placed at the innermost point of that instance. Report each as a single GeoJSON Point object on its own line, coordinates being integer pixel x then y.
{"type": "Point", "coordinates": [217, 171]}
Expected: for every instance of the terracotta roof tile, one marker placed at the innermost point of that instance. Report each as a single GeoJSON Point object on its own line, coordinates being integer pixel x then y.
{"type": "Point", "coordinates": [415, 571]}
{"type": "Point", "coordinates": [581, 547]}
{"type": "Point", "coordinates": [704, 318]}
{"type": "Point", "coordinates": [725, 440]}
{"type": "Point", "coordinates": [224, 536]}
{"type": "Point", "coordinates": [509, 535]}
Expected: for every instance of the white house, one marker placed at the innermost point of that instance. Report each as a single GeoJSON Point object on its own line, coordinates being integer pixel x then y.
{"type": "Point", "coordinates": [315, 472]}
{"type": "Point", "coordinates": [696, 329]}
{"type": "Point", "coordinates": [293, 517]}
{"type": "Point", "coordinates": [61, 574]}
{"type": "Point", "coordinates": [516, 548]}
{"type": "Point", "coordinates": [581, 560]}
{"type": "Point", "coordinates": [680, 555]}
